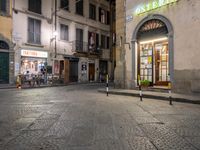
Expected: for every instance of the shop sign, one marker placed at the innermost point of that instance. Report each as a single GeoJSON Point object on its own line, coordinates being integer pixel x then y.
{"type": "Point", "coordinates": [32, 53]}
{"type": "Point", "coordinates": [152, 5]}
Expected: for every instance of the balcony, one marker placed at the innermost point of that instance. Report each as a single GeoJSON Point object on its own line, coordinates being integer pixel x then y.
{"type": "Point", "coordinates": [83, 48]}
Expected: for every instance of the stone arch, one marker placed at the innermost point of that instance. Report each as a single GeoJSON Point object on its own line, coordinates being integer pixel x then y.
{"type": "Point", "coordinates": [170, 41]}
{"type": "Point", "coordinates": [10, 44]}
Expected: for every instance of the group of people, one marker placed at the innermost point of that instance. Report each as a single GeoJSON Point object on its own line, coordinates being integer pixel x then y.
{"type": "Point", "coordinates": [31, 79]}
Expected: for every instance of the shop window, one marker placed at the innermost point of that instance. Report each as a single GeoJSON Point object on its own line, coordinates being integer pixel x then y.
{"type": "Point", "coordinates": [79, 7]}
{"type": "Point", "coordinates": [34, 6]}
{"type": "Point", "coordinates": [34, 31]}
{"type": "Point", "coordinates": [92, 12]}
{"type": "Point", "coordinates": [3, 6]}
{"type": "Point", "coordinates": [64, 33]}
{"type": "Point", "coordinates": [64, 4]}
{"type": "Point", "coordinates": [3, 45]}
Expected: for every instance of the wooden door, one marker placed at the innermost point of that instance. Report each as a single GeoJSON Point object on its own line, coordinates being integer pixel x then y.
{"type": "Point", "coordinates": [91, 72]}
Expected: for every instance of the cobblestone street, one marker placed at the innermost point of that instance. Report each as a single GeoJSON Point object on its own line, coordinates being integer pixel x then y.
{"type": "Point", "coordinates": [77, 117]}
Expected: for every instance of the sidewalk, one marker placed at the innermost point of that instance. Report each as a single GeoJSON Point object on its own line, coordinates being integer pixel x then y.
{"type": "Point", "coordinates": [194, 99]}
{"type": "Point", "coordinates": [12, 86]}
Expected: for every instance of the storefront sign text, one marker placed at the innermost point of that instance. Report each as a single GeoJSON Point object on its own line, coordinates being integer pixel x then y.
{"type": "Point", "coordinates": [152, 5]}
{"type": "Point", "coordinates": [31, 53]}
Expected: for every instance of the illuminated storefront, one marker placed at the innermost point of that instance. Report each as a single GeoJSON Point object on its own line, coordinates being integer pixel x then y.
{"type": "Point", "coordinates": [153, 53]}
{"type": "Point", "coordinates": [33, 62]}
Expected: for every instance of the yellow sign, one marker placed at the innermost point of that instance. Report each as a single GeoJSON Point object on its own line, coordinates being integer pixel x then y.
{"type": "Point", "coordinates": [152, 5]}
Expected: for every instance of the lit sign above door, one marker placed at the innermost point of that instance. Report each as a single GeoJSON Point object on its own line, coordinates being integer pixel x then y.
{"type": "Point", "coordinates": [152, 5]}
{"type": "Point", "coordinates": [32, 53]}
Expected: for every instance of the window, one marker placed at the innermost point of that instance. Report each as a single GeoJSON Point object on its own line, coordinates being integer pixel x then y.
{"type": "Point", "coordinates": [103, 41]}
{"type": "Point", "coordinates": [34, 6]}
{"type": "Point", "coordinates": [92, 12]}
{"type": "Point", "coordinates": [108, 18]}
{"type": "Point", "coordinates": [108, 43]}
{"type": "Point", "coordinates": [79, 39]}
{"type": "Point", "coordinates": [64, 33]}
{"type": "Point", "coordinates": [104, 16]}
{"type": "Point", "coordinates": [3, 6]}
{"type": "Point", "coordinates": [91, 40]}
{"type": "Point", "coordinates": [34, 31]}
{"type": "Point", "coordinates": [79, 7]}
{"type": "Point", "coordinates": [97, 40]}
{"type": "Point", "coordinates": [64, 4]}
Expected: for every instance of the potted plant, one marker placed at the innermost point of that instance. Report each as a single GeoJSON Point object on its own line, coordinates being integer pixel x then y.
{"type": "Point", "coordinates": [145, 83]}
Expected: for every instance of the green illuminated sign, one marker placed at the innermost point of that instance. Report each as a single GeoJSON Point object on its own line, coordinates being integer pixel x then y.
{"type": "Point", "coordinates": [152, 5]}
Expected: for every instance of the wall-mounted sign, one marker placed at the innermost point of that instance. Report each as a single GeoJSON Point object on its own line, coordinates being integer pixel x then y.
{"type": "Point", "coordinates": [32, 53]}
{"type": "Point", "coordinates": [154, 4]}
{"type": "Point", "coordinates": [129, 18]}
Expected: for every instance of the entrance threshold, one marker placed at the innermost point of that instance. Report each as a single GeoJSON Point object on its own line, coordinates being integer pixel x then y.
{"type": "Point", "coordinates": [156, 88]}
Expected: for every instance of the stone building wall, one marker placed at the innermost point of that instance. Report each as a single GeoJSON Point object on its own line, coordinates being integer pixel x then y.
{"type": "Point", "coordinates": [184, 15]}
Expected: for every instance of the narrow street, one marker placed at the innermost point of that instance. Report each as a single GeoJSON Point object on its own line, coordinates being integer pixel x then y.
{"type": "Point", "coordinates": [77, 117]}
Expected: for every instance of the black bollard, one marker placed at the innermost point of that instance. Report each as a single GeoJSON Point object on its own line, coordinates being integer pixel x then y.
{"type": "Point", "coordinates": [170, 93]}
{"type": "Point", "coordinates": [140, 88]}
{"type": "Point", "coordinates": [107, 84]}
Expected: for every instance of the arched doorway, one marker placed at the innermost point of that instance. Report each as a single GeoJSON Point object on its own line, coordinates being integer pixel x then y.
{"type": "Point", "coordinates": [153, 50]}
{"type": "Point", "coordinates": [4, 62]}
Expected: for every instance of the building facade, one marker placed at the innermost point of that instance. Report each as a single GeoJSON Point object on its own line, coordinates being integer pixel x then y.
{"type": "Point", "coordinates": [161, 44]}
{"type": "Point", "coordinates": [83, 42]}
{"type": "Point", "coordinates": [69, 38]}
{"type": "Point", "coordinates": [6, 45]}
{"type": "Point", "coordinates": [32, 34]}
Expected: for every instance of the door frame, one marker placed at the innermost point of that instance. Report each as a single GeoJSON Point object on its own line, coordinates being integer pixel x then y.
{"type": "Point", "coordinates": [134, 43]}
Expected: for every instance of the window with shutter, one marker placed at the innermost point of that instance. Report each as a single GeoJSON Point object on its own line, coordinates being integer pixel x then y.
{"type": "Point", "coordinates": [34, 31]}
{"type": "Point", "coordinates": [64, 32]}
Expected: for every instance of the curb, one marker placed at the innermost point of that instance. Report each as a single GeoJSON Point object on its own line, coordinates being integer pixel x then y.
{"type": "Point", "coordinates": [55, 85]}
{"type": "Point", "coordinates": [175, 99]}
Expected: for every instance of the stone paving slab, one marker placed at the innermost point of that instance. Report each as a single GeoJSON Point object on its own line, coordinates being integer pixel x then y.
{"type": "Point", "coordinates": [84, 119]}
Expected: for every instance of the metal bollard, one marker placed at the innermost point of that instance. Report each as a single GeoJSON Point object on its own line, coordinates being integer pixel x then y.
{"type": "Point", "coordinates": [140, 92]}
{"type": "Point", "coordinates": [140, 88]}
{"type": "Point", "coordinates": [170, 93]}
{"type": "Point", "coordinates": [107, 84]}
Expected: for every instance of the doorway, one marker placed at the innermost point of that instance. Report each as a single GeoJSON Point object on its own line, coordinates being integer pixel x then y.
{"type": "Point", "coordinates": [161, 64]}
{"type": "Point", "coordinates": [91, 71]}
{"type": "Point", "coordinates": [4, 67]}
{"type": "Point", "coordinates": [153, 62]}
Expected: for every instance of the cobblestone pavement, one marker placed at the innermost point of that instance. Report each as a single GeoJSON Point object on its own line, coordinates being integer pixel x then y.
{"type": "Point", "coordinates": [79, 118]}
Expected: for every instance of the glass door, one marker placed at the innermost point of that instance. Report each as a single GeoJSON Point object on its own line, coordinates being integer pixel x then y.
{"type": "Point", "coordinates": [161, 63]}
{"type": "Point", "coordinates": [146, 62]}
